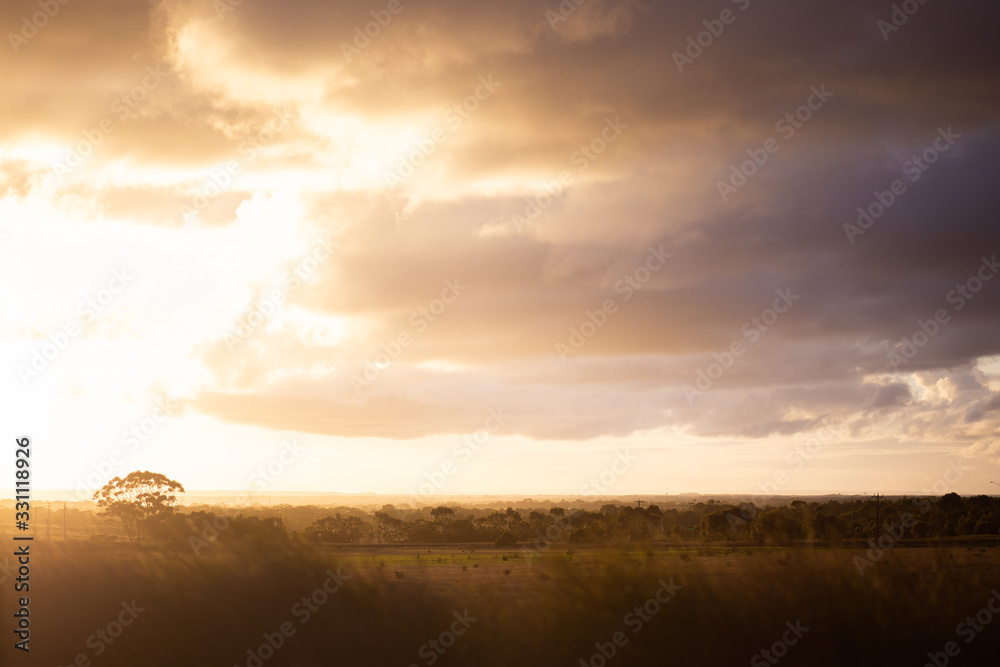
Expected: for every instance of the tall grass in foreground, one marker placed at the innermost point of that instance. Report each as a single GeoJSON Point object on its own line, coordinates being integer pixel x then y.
{"type": "Point", "coordinates": [210, 610]}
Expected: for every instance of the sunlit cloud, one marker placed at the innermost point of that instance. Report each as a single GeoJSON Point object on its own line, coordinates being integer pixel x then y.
{"type": "Point", "coordinates": [290, 210]}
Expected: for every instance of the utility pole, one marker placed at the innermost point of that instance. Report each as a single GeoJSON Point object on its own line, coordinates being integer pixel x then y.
{"type": "Point", "coordinates": [877, 498]}
{"type": "Point", "coordinates": [639, 503]}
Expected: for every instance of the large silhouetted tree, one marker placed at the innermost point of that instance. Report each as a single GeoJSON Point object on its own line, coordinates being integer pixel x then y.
{"type": "Point", "coordinates": [136, 498]}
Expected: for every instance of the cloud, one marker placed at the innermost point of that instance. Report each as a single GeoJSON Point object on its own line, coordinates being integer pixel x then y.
{"type": "Point", "coordinates": [592, 118]}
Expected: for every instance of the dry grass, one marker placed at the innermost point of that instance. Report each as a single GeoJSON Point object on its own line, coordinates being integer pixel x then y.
{"type": "Point", "coordinates": [546, 611]}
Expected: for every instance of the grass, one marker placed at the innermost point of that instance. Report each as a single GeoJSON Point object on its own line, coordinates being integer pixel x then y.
{"type": "Point", "coordinates": [547, 610]}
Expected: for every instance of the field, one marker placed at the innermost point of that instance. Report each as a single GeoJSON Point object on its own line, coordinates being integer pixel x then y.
{"type": "Point", "coordinates": [402, 605]}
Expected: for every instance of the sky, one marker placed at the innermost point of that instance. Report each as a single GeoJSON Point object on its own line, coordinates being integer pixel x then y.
{"type": "Point", "coordinates": [450, 247]}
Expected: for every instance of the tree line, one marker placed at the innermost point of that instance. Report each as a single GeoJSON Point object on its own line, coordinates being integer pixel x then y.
{"type": "Point", "coordinates": [145, 503]}
{"type": "Point", "coordinates": [948, 516]}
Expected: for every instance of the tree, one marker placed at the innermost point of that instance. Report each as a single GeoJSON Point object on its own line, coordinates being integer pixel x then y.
{"type": "Point", "coordinates": [505, 541]}
{"type": "Point", "coordinates": [512, 520]}
{"type": "Point", "coordinates": [338, 528]}
{"type": "Point", "coordinates": [537, 521]}
{"type": "Point", "coordinates": [775, 525]}
{"type": "Point", "coordinates": [443, 516]}
{"type": "Point", "coordinates": [136, 499]}
{"type": "Point", "coordinates": [829, 527]}
{"type": "Point", "coordinates": [386, 527]}
{"type": "Point", "coordinates": [951, 503]}
{"type": "Point", "coordinates": [719, 524]}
